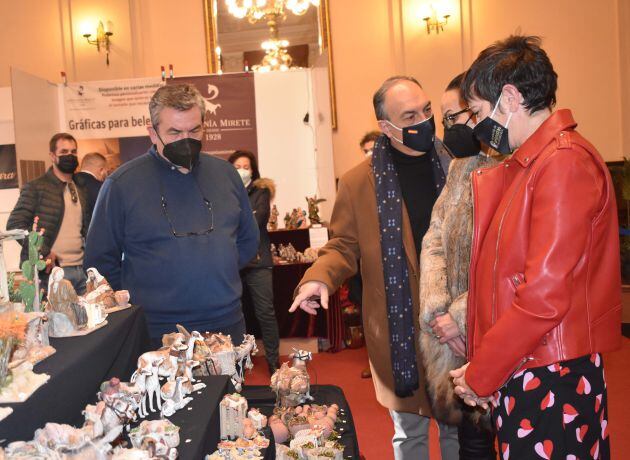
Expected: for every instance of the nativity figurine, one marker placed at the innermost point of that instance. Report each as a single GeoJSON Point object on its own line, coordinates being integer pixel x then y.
{"type": "Point", "coordinates": [70, 315]}
{"type": "Point", "coordinates": [218, 356]}
{"type": "Point", "coordinates": [291, 384]}
{"type": "Point", "coordinates": [313, 209]}
{"type": "Point", "coordinates": [233, 410]}
{"type": "Point", "coordinates": [272, 225]}
{"type": "Point", "coordinates": [98, 291]}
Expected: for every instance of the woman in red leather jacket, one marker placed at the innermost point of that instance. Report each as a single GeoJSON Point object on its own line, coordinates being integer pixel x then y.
{"type": "Point", "coordinates": [545, 289]}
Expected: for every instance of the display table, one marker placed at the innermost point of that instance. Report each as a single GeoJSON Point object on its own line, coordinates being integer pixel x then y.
{"type": "Point", "coordinates": [199, 422]}
{"type": "Point", "coordinates": [76, 371]}
{"type": "Point", "coordinates": [261, 397]}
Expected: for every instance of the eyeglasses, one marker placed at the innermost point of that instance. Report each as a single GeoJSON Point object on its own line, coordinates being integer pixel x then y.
{"type": "Point", "coordinates": [73, 192]}
{"type": "Point", "coordinates": [449, 120]}
{"type": "Point", "coordinates": [177, 234]}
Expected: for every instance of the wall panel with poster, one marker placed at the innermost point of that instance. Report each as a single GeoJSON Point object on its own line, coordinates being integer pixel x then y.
{"type": "Point", "coordinates": [9, 191]}
{"type": "Point", "coordinates": [278, 116]}
{"type": "Point", "coordinates": [230, 118]}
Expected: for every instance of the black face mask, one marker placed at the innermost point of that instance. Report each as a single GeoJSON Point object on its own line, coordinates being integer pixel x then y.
{"type": "Point", "coordinates": [184, 152]}
{"type": "Point", "coordinates": [461, 141]}
{"type": "Point", "coordinates": [67, 163]}
{"type": "Point", "coordinates": [493, 133]}
{"type": "Point", "coordinates": [418, 137]}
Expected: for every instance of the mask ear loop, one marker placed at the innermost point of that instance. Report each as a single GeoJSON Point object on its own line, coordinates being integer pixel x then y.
{"type": "Point", "coordinates": [495, 106]}
{"type": "Point", "coordinates": [495, 109]}
{"type": "Point", "coordinates": [158, 135]}
{"type": "Point", "coordinates": [395, 127]}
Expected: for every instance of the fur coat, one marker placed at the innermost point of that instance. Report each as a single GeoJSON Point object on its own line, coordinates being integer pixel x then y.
{"type": "Point", "coordinates": [444, 263]}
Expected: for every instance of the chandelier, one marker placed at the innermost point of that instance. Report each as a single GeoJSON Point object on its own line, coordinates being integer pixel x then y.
{"type": "Point", "coordinates": [274, 12]}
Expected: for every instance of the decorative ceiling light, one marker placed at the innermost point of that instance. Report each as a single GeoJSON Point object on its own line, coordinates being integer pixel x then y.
{"type": "Point", "coordinates": [272, 11]}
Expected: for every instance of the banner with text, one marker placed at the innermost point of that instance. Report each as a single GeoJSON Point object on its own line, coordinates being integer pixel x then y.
{"type": "Point", "coordinates": [8, 167]}
{"type": "Point", "coordinates": [110, 108]}
{"type": "Point", "coordinates": [230, 120]}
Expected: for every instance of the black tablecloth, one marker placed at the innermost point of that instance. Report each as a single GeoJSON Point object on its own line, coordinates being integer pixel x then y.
{"type": "Point", "coordinates": [199, 422]}
{"type": "Point", "coordinates": [261, 397]}
{"type": "Point", "coordinates": [76, 371]}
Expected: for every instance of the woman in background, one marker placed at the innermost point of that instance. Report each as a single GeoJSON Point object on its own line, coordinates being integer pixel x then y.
{"type": "Point", "coordinates": [256, 277]}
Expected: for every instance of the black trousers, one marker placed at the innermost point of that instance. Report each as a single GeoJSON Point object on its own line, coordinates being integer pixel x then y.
{"type": "Point", "coordinates": [259, 285]}
{"type": "Point", "coordinates": [476, 442]}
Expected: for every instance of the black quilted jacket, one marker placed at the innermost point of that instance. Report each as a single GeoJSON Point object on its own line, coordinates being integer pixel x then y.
{"type": "Point", "coordinates": [43, 197]}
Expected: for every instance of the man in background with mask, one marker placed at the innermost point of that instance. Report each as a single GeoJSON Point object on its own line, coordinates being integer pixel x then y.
{"type": "Point", "coordinates": [367, 142]}
{"type": "Point", "coordinates": [174, 226]}
{"type": "Point", "coordinates": [61, 206]}
{"type": "Point", "coordinates": [381, 213]}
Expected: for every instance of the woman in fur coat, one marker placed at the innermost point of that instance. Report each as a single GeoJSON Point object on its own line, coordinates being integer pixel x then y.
{"type": "Point", "coordinates": [257, 276]}
{"type": "Point", "coordinates": [445, 260]}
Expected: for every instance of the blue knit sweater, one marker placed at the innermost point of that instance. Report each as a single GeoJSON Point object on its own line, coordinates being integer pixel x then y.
{"type": "Point", "coordinates": [192, 280]}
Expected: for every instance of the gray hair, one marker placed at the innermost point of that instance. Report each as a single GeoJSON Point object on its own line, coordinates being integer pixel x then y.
{"type": "Point", "coordinates": [379, 96]}
{"type": "Point", "coordinates": [182, 97]}
{"type": "Point", "coordinates": [93, 159]}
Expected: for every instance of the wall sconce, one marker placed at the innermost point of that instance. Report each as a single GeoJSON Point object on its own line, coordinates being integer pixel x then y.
{"type": "Point", "coordinates": [102, 40]}
{"type": "Point", "coordinates": [436, 17]}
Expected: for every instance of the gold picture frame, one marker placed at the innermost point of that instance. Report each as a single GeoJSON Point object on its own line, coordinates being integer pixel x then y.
{"type": "Point", "coordinates": [210, 23]}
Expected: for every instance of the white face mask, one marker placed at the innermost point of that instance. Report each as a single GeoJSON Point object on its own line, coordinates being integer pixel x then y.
{"type": "Point", "coordinates": [246, 176]}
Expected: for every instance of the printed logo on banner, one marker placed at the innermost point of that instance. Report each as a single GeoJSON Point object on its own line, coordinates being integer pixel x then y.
{"type": "Point", "coordinates": [8, 167]}
{"type": "Point", "coordinates": [230, 118]}
{"type": "Point", "coordinates": [109, 109]}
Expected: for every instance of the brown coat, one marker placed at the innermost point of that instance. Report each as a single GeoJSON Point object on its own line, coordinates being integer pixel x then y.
{"type": "Point", "coordinates": [354, 235]}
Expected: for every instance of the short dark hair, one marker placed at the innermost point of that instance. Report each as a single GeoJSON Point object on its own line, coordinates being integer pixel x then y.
{"type": "Point", "coordinates": [252, 161]}
{"type": "Point", "coordinates": [378, 100]}
{"type": "Point", "coordinates": [520, 61]}
{"type": "Point", "coordinates": [456, 83]}
{"type": "Point", "coordinates": [60, 136]}
{"type": "Point", "coordinates": [370, 136]}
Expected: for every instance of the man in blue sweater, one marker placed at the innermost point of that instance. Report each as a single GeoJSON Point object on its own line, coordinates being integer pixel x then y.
{"type": "Point", "coordinates": [175, 226]}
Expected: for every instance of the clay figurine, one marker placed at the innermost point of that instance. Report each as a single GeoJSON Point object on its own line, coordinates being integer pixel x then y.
{"type": "Point", "coordinates": [66, 314]}
{"type": "Point", "coordinates": [30, 291]}
{"type": "Point", "coordinates": [273, 219]}
{"type": "Point", "coordinates": [161, 437]}
{"type": "Point", "coordinates": [35, 345]}
{"type": "Point", "coordinates": [98, 291]}
{"type": "Point", "coordinates": [218, 356]}
{"type": "Point", "coordinates": [233, 410]}
{"type": "Point", "coordinates": [292, 383]}
{"type": "Point", "coordinates": [313, 209]}
{"type": "Point", "coordinates": [19, 382]}
{"type": "Point", "coordinates": [173, 396]}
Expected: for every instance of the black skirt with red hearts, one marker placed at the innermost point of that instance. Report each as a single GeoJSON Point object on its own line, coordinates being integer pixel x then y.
{"type": "Point", "coordinates": [554, 412]}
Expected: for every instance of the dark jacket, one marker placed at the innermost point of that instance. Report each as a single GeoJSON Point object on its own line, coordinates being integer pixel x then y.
{"type": "Point", "coordinates": [92, 186]}
{"type": "Point", "coordinates": [191, 280]}
{"type": "Point", "coordinates": [261, 192]}
{"type": "Point", "coordinates": [43, 197]}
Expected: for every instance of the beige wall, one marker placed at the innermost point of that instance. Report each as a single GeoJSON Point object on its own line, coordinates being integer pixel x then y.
{"type": "Point", "coordinates": [589, 43]}
{"type": "Point", "coordinates": [44, 37]}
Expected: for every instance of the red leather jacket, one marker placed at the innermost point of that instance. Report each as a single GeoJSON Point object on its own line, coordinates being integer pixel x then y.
{"type": "Point", "coordinates": [545, 282]}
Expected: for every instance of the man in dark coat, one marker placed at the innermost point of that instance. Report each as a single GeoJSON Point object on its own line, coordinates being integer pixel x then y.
{"type": "Point", "coordinates": [93, 173]}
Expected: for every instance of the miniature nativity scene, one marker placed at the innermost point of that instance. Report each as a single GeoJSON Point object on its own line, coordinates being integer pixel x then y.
{"type": "Point", "coordinates": [28, 320]}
